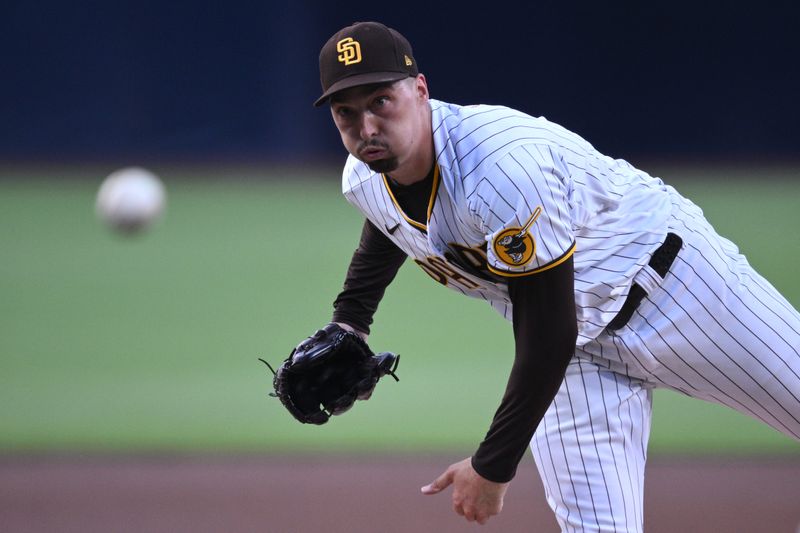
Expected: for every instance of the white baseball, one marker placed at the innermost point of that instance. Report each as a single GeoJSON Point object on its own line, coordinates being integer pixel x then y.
{"type": "Point", "coordinates": [130, 199]}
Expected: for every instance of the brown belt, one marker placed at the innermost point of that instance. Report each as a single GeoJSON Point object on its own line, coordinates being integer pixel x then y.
{"type": "Point", "coordinates": [660, 262]}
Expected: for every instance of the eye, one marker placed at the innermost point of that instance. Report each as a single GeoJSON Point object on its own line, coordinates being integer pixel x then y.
{"type": "Point", "coordinates": [343, 112]}
{"type": "Point", "coordinates": [381, 100]}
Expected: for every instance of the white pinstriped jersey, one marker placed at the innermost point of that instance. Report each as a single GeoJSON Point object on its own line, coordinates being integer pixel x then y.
{"type": "Point", "coordinates": [515, 195]}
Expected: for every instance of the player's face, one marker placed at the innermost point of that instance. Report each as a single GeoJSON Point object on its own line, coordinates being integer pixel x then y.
{"type": "Point", "coordinates": [384, 125]}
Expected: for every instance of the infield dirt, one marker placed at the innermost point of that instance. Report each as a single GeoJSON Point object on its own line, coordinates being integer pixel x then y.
{"type": "Point", "coordinates": [295, 495]}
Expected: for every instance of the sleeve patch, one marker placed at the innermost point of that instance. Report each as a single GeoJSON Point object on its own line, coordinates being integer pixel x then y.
{"type": "Point", "coordinates": [515, 246]}
{"type": "Point", "coordinates": [548, 266]}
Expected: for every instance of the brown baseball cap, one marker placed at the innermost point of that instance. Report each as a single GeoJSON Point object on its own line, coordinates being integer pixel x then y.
{"type": "Point", "coordinates": [363, 53]}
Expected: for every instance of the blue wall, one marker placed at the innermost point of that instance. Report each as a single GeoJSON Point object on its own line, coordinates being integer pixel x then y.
{"type": "Point", "coordinates": [235, 80]}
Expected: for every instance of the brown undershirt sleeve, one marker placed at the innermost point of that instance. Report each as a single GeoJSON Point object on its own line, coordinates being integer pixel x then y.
{"type": "Point", "coordinates": [545, 330]}
{"type": "Point", "coordinates": [373, 267]}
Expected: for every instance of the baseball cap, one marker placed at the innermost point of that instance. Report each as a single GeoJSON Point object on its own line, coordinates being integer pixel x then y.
{"type": "Point", "coordinates": [363, 53]}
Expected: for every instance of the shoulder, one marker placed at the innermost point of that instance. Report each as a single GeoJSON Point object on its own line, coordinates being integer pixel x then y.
{"type": "Point", "coordinates": [471, 124]}
{"type": "Point", "coordinates": [355, 175]}
{"type": "Point", "coordinates": [471, 139]}
{"type": "Point", "coordinates": [459, 122]}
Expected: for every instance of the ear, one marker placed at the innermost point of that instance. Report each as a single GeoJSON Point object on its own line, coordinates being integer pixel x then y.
{"type": "Point", "coordinates": [422, 86]}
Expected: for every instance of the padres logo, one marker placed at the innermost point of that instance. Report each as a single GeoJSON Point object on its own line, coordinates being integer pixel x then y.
{"type": "Point", "coordinates": [349, 51]}
{"type": "Point", "coordinates": [515, 246]}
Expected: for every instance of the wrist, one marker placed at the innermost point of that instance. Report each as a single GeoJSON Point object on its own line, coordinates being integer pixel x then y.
{"type": "Point", "coordinates": [490, 473]}
{"type": "Point", "coordinates": [348, 327]}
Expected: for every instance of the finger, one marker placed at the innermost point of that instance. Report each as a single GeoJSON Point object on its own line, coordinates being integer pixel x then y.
{"type": "Point", "coordinates": [483, 516]}
{"type": "Point", "coordinates": [439, 484]}
{"type": "Point", "coordinates": [469, 514]}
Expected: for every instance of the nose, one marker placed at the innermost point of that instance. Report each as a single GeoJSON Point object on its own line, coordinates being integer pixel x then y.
{"type": "Point", "coordinates": [369, 126]}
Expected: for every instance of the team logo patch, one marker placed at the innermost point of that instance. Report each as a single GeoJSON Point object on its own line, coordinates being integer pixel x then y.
{"type": "Point", "coordinates": [349, 51]}
{"type": "Point", "coordinates": [515, 246]}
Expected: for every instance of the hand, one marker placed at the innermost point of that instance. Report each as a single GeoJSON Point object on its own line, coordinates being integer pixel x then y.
{"type": "Point", "coordinates": [475, 498]}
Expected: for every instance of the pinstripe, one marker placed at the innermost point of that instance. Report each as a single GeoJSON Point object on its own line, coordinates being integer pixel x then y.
{"type": "Point", "coordinates": [502, 148]}
{"type": "Point", "coordinates": [581, 454]}
{"type": "Point", "coordinates": [638, 358]}
{"type": "Point", "coordinates": [457, 223]}
{"type": "Point", "coordinates": [778, 301]}
{"type": "Point", "coordinates": [643, 435]}
{"type": "Point", "coordinates": [597, 457]}
{"type": "Point", "coordinates": [704, 378]}
{"type": "Point", "coordinates": [702, 330]}
{"type": "Point", "coordinates": [633, 492]}
{"type": "Point", "coordinates": [689, 342]}
{"type": "Point", "coordinates": [544, 134]}
{"type": "Point", "coordinates": [641, 439]}
{"type": "Point", "coordinates": [375, 215]}
{"type": "Point", "coordinates": [566, 457]}
{"type": "Point", "coordinates": [489, 208]}
{"type": "Point", "coordinates": [544, 468]}
{"type": "Point", "coordinates": [749, 330]}
{"type": "Point", "coordinates": [763, 323]}
{"type": "Point", "coordinates": [732, 400]}
{"type": "Point", "coordinates": [600, 507]}
{"type": "Point", "coordinates": [770, 293]}
{"type": "Point", "coordinates": [560, 215]}
{"type": "Point", "coordinates": [510, 181]}
{"type": "Point", "coordinates": [499, 195]}
{"type": "Point", "coordinates": [467, 135]}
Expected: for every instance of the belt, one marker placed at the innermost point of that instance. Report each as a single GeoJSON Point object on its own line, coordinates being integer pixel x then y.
{"type": "Point", "coordinates": [660, 262]}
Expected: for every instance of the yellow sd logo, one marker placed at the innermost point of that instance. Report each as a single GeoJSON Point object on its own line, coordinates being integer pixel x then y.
{"type": "Point", "coordinates": [515, 246]}
{"type": "Point", "coordinates": [349, 51]}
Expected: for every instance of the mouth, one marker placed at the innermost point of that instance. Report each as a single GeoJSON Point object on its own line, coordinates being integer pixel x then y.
{"type": "Point", "coordinates": [371, 152]}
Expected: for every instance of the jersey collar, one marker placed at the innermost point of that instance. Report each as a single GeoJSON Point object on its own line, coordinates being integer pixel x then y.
{"type": "Point", "coordinates": [431, 201]}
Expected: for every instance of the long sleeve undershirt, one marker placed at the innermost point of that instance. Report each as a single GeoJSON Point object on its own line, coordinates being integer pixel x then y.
{"type": "Point", "coordinates": [373, 267]}
{"type": "Point", "coordinates": [545, 329]}
{"type": "Point", "coordinates": [544, 326]}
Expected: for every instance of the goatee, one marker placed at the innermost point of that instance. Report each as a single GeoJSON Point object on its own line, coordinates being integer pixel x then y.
{"type": "Point", "coordinates": [382, 166]}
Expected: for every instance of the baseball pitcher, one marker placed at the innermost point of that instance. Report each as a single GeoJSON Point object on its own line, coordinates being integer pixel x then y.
{"type": "Point", "coordinates": [615, 283]}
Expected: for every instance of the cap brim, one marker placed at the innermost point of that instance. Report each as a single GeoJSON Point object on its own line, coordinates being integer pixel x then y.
{"type": "Point", "coordinates": [360, 79]}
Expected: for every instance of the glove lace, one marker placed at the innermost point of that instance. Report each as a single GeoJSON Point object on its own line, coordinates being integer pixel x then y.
{"type": "Point", "coordinates": [273, 375]}
{"type": "Point", "coordinates": [390, 371]}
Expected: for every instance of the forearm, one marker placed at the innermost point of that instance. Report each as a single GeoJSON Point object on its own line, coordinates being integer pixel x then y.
{"type": "Point", "coordinates": [545, 329]}
{"type": "Point", "coordinates": [373, 267]}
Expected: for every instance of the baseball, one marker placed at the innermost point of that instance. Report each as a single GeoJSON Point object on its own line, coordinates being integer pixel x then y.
{"type": "Point", "coordinates": [130, 199]}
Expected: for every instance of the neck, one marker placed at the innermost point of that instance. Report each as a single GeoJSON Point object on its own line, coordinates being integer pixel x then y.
{"type": "Point", "coordinates": [419, 164]}
{"type": "Point", "coordinates": [414, 172]}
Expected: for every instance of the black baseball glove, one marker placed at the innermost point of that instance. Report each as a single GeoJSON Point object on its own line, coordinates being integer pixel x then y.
{"type": "Point", "coordinates": [326, 373]}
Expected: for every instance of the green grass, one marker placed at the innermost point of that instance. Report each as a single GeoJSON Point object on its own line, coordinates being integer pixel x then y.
{"type": "Point", "coordinates": [151, 343]}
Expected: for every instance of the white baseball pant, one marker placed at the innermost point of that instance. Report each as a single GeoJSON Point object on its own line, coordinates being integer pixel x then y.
{"type": "Point", "coordinates": [713, 329]}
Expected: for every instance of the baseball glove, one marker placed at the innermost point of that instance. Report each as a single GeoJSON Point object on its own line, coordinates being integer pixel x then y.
{"type": "Point", "coordinates": [326, 373]}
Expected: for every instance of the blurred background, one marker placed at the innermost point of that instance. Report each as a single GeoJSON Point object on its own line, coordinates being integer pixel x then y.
{"type": "Point", "coordinates": [151, 343]}
{"type": "Point", "coordinates": [233, 82]}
